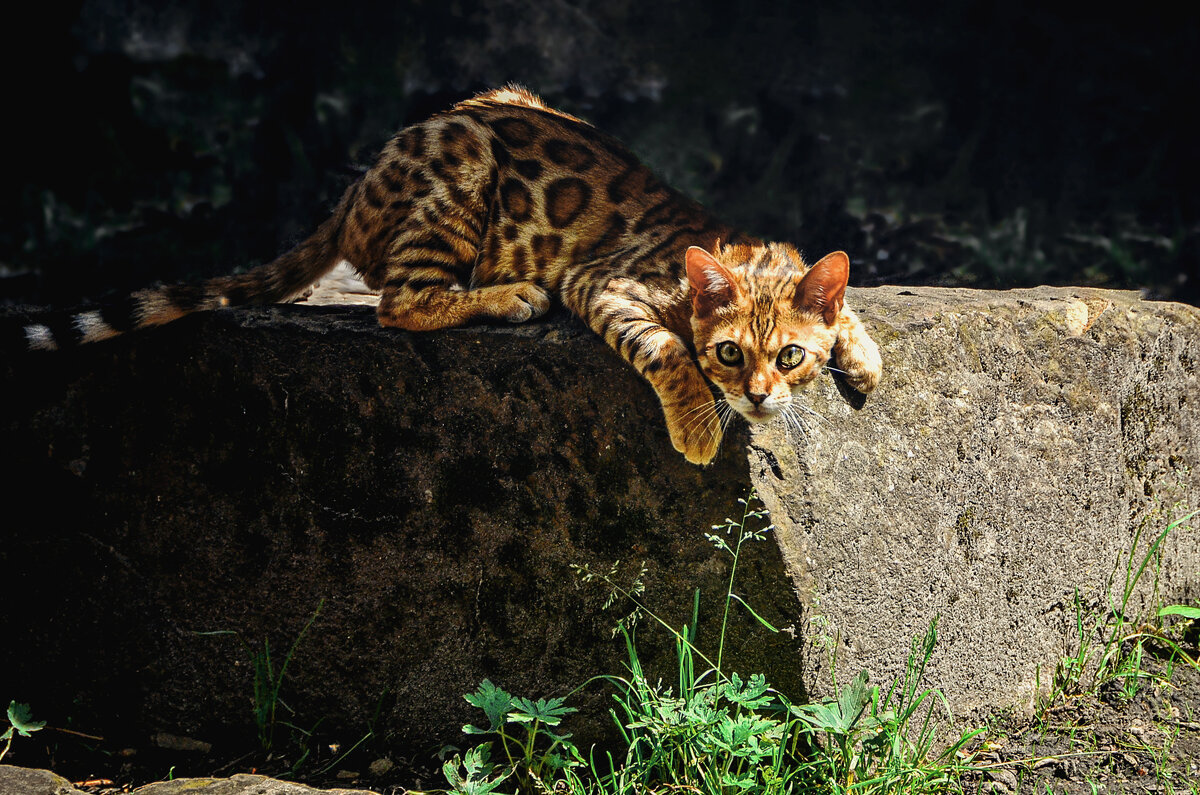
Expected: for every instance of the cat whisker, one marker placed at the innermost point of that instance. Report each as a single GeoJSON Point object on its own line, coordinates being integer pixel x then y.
{"type": "Point", "coordinates": [700, 418]}
{"type": "Point", "coordinates": [799, 413]}
{"type": "Point", "coordinates": [695, 409]}
{"type": "Point", "coordinates": [722, 418]}
{"type": "Point", "coordinates": [696, 418]}
{"type": "Point", "coordinates": [831, 368]}
{"type": "Point", "coordinates": [796, 421]}
{"type": "Point", "coordinates": [725, 413]}
{"type": "Point", "coordinates": [810, 412]}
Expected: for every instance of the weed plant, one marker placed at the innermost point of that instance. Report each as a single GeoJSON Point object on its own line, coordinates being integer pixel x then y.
{"type": "Point", "coordinates": [712, 732]}
{"type": "Point", "coordinates": [1110, 644]}
{"type": "Point", "coordinates": [268, 681]}
{"type": "Point", "coordinates": [1112, 649]}
{"type": "Point", "coordinates": [20, 721]}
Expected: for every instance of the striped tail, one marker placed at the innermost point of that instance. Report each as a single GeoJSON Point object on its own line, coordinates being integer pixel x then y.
{"type": "Point", "coordinates": [276, 281]}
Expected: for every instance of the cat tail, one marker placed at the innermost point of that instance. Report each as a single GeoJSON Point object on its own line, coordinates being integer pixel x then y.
{"type": "Point", "coordinates": [278, 280]}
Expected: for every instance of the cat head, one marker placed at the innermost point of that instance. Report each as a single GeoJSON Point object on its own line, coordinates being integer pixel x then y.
{"type": "Point", "coordinates": [763, 322]}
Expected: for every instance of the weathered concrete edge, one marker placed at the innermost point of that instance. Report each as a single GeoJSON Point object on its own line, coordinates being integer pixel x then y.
{"type": "Point", "coordinates": [1131, 358]}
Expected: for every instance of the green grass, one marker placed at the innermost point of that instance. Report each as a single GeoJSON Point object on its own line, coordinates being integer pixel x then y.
{"type": "Point", "coordinates": [268, 682]}
{"type": "Point", "coordinates": [1110, 644]}
{"type": "Point", "coordinates": [713, 731]}
{"type": "Point", "coordinates": [716, 732]}
{"type": "Point", "coordinates": [719, 734]}
{"type": "Point", "coordinates": [1118, 656]}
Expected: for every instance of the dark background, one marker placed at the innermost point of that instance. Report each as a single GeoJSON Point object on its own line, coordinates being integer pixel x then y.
{"type": "Point", "coordinates": [989, 144]}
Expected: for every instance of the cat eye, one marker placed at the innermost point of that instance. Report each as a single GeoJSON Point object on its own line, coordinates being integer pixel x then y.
{"type": "Point", "coordinates": [729, 353]}
{"type": "Point", "coordinates": [790, 357]}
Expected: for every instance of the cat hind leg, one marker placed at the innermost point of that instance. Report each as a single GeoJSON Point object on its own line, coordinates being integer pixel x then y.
{"type": "Point", "coordinates": [424, 281]}
{"type": "Point", "coordinates": [522, 301]}
{"type": "Point", "coordinates": [447, 305]}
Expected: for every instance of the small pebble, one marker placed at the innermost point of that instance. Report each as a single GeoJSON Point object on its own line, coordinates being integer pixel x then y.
{"type": "Point", "coordinates": [174, 742]}
{"type": "Point", "coordinates": [381, 766]}
{"type": "Point", "coordinates": [1005, 777]}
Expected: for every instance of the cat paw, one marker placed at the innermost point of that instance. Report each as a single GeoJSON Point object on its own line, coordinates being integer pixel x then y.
{"type": "Point", "coordinates": [696, 432]}
{"type": "Point", "coordinates": [524, 301]}
{"type": "Point", "coordinates": [861, 364]}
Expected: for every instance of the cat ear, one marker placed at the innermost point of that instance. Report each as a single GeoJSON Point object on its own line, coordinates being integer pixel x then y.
{"type": "Point", "coordinates": [712, 284]}
{"type": "Point", "coordinates": [823, 289]}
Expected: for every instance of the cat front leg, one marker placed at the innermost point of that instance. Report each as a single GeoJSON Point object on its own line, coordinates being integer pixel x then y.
{"type": "Point", "coordinates": [856, 353]}
{"type": "Point", "coordinates": [663, 358]}
{"type": "Point", "coordinates": [692, 415]}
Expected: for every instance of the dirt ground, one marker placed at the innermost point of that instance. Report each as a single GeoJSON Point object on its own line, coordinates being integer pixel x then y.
{"type": "Point", "coordinates": [1084, 744]}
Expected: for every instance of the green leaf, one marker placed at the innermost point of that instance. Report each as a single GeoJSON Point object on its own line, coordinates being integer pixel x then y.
{"type": "Point", "coordinates": [20, 716]}
{"type": "Point", "coordinates": [477, 767]}
{"type": "Point", "coordinates": [494, 702]}
{"type": "Point", "coordinates": [853, 700]}
{"type": "Point", "coordinates": [549, 711]}
{"type": "Point", "coordinates": [558, 737]}
{"type": "Point", "coordinates": [823, 717]}
{"type": "Point", "coordinates": [1180, 610]}
{"type": "Point", "coordinates": [749, 694]}
{"type": "Point", "coordinates": [759, 618]}
{"type": "Point", "coordinates": [453, 777]}
{"type": "Point", "coordinates": [560, 762]}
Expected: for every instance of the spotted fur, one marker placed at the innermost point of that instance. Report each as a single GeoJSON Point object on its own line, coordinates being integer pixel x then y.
{"type": "Point", "coordinates": [489, 210]}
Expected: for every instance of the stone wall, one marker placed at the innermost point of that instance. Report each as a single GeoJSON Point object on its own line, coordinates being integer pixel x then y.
{"type": "Point", "coordinates": [234, 470]}
{"type": "Point", "coordinates": [230, 471]}
{"type": "Point", "coordinates": [1019, 444]}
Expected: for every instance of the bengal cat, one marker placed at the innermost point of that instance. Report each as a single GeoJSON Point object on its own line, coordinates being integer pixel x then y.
{"type": "Point", "coordinates": [492, 209]}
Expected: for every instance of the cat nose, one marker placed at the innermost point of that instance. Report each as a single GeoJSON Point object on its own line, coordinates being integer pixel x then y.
{"type": "Point", "coordinates": [756, 398]}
